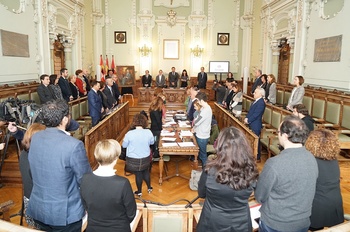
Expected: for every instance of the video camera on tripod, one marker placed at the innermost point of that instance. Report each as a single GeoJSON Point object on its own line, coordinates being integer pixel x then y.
{"type": "Point", "coordinates": [19, 111]}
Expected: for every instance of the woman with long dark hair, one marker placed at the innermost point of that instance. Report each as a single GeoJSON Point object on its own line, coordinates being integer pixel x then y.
{"type": "Point", "coordinates": [138, 141]}
{"type": "Point", "coordinates": [226, 184]}
{"type": "Point", "coordinates": [54, 87]}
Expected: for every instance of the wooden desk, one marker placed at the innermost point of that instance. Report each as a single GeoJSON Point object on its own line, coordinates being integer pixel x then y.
{"type": "Point", "coordinates": [177, 151]}
{"type": "Point", "coordinates": [145, 94]}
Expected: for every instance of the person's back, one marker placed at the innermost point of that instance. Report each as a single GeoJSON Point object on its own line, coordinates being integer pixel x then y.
{"type": "Point", "coordinates": [57, 162]}
{"type": "Point", "coordinates": [286, 186]}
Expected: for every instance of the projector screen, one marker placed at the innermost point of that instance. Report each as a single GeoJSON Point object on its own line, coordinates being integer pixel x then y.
{"type": "Point", "coordinates": [219, 66]}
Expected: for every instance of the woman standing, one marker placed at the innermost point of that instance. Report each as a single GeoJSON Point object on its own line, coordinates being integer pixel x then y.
{"type": "Point", "coordinates": [74, 89]}
{"type": "Point", "coordinates": [24, 168]}
{"type": "Point", "coordinates": [184, 79]}
{"type": "Point", "coordinates": [271, 97]}
{"type": "Point", "coordinates": [327, 207]}
{"type": "Point", "coordinates": [54, 87]}
{"type": "Point", "coordinates": [107, 197]}
{"type": "Point", "coordinates": [155, 113]}
{"type": "Point", "coordinates": [138, 160]}
{"type": "Point", "coordinates": [226, 183]}
{"type": "Point", "coordinates": [236, 102]}
{"type": "Point", "coordinates": [297, 93]}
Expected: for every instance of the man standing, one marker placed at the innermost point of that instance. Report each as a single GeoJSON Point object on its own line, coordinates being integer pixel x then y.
{"type": "Point", "coordinates": [95, 103]}
{"type": "Point", "coordinates": [108, 91]}
{"type": "Point", "coordinates": [202, 126]}
{"type": "Point", "coordinates": [160, 79]}
{"type": "Point", "coordinates": [146, 79]}
{"type": "Point", "coordinates": [202, 78]}
{"type": "Point", "coordinates": [57, 163]}
{"type": "Point", "coordinates": [258, 80]}
{"type": "Point", "coordinates": [115, 87]}
{"type": "Point", "coordinates": [287, 184]}
{"type": "Point", "coordinates": [43, 91]}
{"type": "Point", "coordinates": [173, 78]}
{"type": "Point", "coordinates": [64, 85]}
{"type": "Point", "coordinates": [86, 79]}
{"type": "Point", "coordinates": [254, 116]}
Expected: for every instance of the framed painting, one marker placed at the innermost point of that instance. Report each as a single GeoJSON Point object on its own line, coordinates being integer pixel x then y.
{"type": "Point", "coordinates": [126, 75]}
{"type": "Point", "coordinates": [119, 37]}
{"type": "Point", "coordinates": [171, 49]}
{"type": "Point", "coordinates": [223, 39]}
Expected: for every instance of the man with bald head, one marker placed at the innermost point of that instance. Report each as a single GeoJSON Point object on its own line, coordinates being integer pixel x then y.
{"type": "Point", "coordinates": [254, 116]}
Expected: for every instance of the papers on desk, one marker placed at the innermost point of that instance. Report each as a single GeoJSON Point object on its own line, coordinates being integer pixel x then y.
{"type": "Point", "coordinates": [167, 133]}
{"type": "Point", "coordinates": [180, 115]}
{"type": "Point", "coordinates": [172, 139]}
{"type": "Point", "coordinates": [169, 145]}
{"type": "Point", "coordinates": [185, 133]}
{"type": "Point", "coordinates": [255, 214]}
{"type": "Point", "coordinates": [183, 124]}
{"type": "Point", "coordinates": [186, 144]}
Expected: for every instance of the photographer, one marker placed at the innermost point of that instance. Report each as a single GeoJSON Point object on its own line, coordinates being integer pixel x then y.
{"type": "Point", "coordinates": [220, 90]}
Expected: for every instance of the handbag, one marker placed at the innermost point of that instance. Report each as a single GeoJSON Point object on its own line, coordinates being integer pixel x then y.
{"type": "Point", "coordinates": [195, 176]}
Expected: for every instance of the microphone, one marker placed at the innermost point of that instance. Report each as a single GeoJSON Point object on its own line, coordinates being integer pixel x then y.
{"type": "Point", "coordinates": [10, 110]}
{"type": "Point", "coordinates": [191, 202]}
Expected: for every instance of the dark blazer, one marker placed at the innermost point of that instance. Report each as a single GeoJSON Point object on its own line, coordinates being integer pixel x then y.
{"type": "Point", "coordinates": [64, 85]}
{"type": "Point", "coordinates": [156, 120]}
{"type": "Point", "coordinates": [173, 78]}
{"type": "Point", "coordinates": [224, 209]}
{"type": "Point", "coordinates": [44, 93]}
{"type": "Point", "coordinates": [160, 83]}
{"type": "Point", "coordinates": [74, 90]}
{"type": "Point", "coordinates": [57, 163]}
{"type": "Point", "coordinates": [110, 98]}
{"type": "Point", "coordinates": [95, 106]}
{"type": "Point", "coordinates": [88, 87]}
{"type": "Point", "coordinates": [191, 111]}
{"type": "Point", "coordinates": [327, 206]}
{"type": "Point", "coordinates": [115, 91]}
{"type": "Point", "coordinates": [147, 80]}
{"type": "Point", "coordinates": [257, 83]}
{"type": "Point", "coordinates": [103, 98]}
{"type": "Point", "coordinates": [255, 114]}
{"type": "Point", "coordinates": [202, 80]}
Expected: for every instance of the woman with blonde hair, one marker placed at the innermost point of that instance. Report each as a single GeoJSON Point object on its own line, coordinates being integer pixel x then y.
{"type": "Point", "coordinates": [155, 113]}
{"type": "Point", "coordinates": [227, 183]}
{"type": "Point", "coordinates": [327, 206]}
{"type": "Point", "coordinates": [24, 168]}
{"type": "Point", "coordinates": [107, 197]}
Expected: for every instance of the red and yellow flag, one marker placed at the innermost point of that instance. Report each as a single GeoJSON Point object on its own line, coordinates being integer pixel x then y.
{"type": "Point", "coordinates": [112, 64]}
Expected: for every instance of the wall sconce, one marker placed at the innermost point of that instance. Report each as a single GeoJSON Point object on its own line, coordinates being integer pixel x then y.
{"type": "Point", "coordinates": [145, 50]}
{"type": "Point", "coordinates": [197, 51]}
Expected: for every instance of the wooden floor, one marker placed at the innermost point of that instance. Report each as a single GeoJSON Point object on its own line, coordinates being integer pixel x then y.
{"type": "Point", "coordinates": [171, 190]}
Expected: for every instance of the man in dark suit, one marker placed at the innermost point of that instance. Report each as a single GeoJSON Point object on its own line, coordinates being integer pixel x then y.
{"type": "Point", "coordinates": [146, 79]}
{"type": "Point", "coordinates": [115, 87]}
{"type": "Point", "coordinates": [202, 78]}
{"type": "Point", "coordinates": [258, 80]}
{"type": "Point", "coordinates": [57, 162]}
{"type": "Point", "coordinates": [160, 79]}
{"type": "Point", "coordinates": [173, 78]}
{"type": "Point", "coordinates": [229, 95]}
{"type": "Point", "coordinates": [64, 85]}
{"type": "Point", "coordinates": [108, 91]}
{"type": "Point", "coordinates": [254, 116]}
{"type": "Point", "coordinates": [95, 103]}
{"type": "Point", "coordinates": [43, 91]}
{"type": "Point", "coordinates": [86, 79]}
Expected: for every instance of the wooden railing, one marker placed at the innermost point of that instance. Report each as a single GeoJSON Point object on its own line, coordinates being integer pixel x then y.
{"type": "Point", "coordinates": [114, 126]}
{"type": "Point", "coordinates": [226, 119]}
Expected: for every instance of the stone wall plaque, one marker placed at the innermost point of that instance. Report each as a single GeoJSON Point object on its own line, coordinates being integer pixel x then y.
{"type": "Point", "coordinates": [328, 49]}
{"type": "Point", "coordinates": [14, 44]}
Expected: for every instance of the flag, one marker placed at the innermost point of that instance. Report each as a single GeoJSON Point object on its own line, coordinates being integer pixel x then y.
{"type": "Point", "coordinates": [107, 65]}
{"type": "Point", "coordinates": [112, 64]}
{"type": "Point", "coordinates": [102, 66]}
